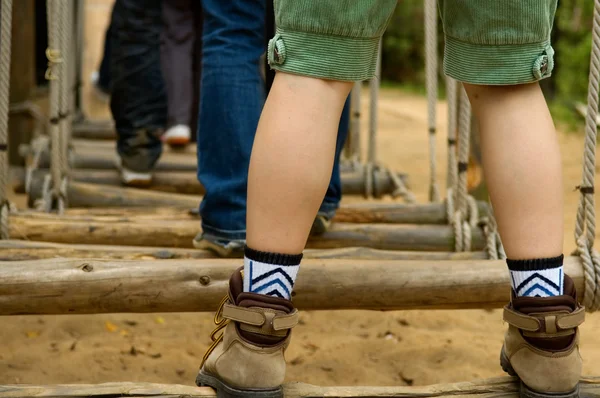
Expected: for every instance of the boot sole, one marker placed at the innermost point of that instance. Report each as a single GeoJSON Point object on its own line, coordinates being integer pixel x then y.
{"type": "Point", "coordinates": [526, 392]}
{"type": "Point", "coordinates": [225, 391]}
{"type": "Point", "coordinates": [178, 142]}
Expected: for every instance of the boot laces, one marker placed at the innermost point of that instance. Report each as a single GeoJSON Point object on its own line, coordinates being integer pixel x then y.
{"type": "Point", "coordinates": [215, 336]}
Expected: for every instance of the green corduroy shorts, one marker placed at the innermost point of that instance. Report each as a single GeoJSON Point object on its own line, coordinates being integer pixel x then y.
{"type": "Point", "coordinates": [489, 42]}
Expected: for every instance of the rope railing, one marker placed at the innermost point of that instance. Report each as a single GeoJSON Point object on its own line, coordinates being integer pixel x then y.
{"type": "Point", "coordinates": [585, 226]}
{"type": "Point", "coordinates": [5, 55]}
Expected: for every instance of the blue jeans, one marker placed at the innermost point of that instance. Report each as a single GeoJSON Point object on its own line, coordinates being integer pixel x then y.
{"type": "Point", "coordinates": [231, 102]}
{"type": "Point", "coordinates": [138, 101]}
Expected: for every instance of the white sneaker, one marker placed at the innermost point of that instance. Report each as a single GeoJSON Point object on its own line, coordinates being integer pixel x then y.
{"type": "Point", "coordinates": [177, 136]}
{"type": "Point", "coordinates": [101, 93]}
{"type": "Point", "coordinates": [133, 178]}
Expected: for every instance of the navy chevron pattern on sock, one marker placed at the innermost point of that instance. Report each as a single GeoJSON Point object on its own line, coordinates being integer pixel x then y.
{"type": "Point", "coordinates": [535, 279]}
{"type": "Point", "coordinates": [269, 279]}
{"type": "Point", "coordinates": [271, 273]}
{"type": "Point", "coordinates": [537, 283]}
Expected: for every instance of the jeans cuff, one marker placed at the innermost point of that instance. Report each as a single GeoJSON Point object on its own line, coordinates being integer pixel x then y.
{"type": "Point", "coordinates": [328, 209]}
{"type": "Point", "coordinates": [214, 234]}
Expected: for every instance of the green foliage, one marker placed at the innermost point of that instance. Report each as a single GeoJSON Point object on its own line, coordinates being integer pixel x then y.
{"type": "Point", "coordinates": [403, 48]}
{"type": "Point", "coordinates": [573, 28]}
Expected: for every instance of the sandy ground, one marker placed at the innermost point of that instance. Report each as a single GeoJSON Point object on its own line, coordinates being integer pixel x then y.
{"type": "Point", "coordinates": [329, 348]}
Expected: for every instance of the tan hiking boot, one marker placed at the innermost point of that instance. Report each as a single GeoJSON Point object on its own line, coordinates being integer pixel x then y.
{"type": "Point", "coordinates": [541, 346]}
{"type": "Point", "coordinates": [246, 358]}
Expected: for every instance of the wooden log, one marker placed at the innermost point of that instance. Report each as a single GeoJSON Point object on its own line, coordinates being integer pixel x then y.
{"type": "Point", "coordinates": [501, 387]}
{"type": "Point", "coordinates": [92, 195]}
{"type": "Point", "coordinates": [94, 129]}
{"type": "Point", "coordinates": [16, 250]}
{"type": "Point", "coordinates": [366, 212]}
{"type": "Point", "coordinates": [186, 182]}
{"type": "Point", "coordinates": [107, 161]}
{"type": "Point", "coordinates": [87, 286]}
{"type": "Point", "coordinates": [167, 233]}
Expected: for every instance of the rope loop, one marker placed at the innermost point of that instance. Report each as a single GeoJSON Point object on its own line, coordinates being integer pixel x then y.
{"type": "Point", "coordinates": [591, 271]}
{"type": "Point", "coordinates": [400, 188]}
{"type": "Point", "coordinates": [54, 58]}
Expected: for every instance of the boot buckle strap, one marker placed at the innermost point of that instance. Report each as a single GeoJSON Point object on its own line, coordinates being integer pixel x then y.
{"type": "Point", "coordinates": [521, 321]}
{"type": "Point", "coordinates": [256, 317]}
{"type": "Point", "coordinates": [552, 324]}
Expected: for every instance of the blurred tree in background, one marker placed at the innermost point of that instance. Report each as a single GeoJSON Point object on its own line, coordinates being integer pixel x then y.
{"type": "Point", "coordinates": [403, 48]}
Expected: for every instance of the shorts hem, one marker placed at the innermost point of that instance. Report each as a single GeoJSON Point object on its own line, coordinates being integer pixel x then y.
{"type": "Point", "coordinates": [323, 56]}
{"type": "Point", "coordinates": [498, 65]}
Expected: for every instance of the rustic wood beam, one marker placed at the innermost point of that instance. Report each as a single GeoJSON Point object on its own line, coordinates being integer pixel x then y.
{"type": "Point", "coordinates": [87, 286]}
{"type": "Point", "coordinates": [18, 250]}
{"type": "Point", "coordinates": [169, 232]}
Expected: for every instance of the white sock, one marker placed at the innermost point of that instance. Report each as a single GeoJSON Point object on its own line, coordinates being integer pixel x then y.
{"type": "Point", "coordinates": [537, 278]}
{"type": "Point", "coordinates": [271, 274]}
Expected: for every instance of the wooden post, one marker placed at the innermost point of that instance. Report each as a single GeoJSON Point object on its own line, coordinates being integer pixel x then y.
{"type": "Point", "coordinates": [22, 75]}
{"type": "Point", "coordinates": [87, 286]}
{"type": "Point", "coordinates": [120, 230]}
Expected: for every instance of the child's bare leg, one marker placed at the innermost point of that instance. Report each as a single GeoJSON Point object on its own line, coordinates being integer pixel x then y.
{"type": "Point", "coordinates": [522, 167]}
{"type": "Point", "coordinates": [291, 160]}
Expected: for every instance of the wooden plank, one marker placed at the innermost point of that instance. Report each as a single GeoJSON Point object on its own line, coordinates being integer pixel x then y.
{"type": "Point", "coordinates": [117, 230]}
{"type": "Point", "coordinates": [490, 388]}
{"type": "Point", "coordinates": [18, 250]}
{"type": "Point", "coordinates": [184, 182]}
{"type": "Point", "coordinates": [92, 195]}
{"type": "Point", "coordinates": [87, 286]}
{"type": "Point", "coordinates": [106, 161]}
{"type": "Point", "coordinates": [95, 129]}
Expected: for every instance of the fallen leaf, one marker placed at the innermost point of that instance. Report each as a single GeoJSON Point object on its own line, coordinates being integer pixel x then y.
{"type": "Point", "coordinates": [124, 332]}
{"type": "Point", "coordinates": [32, 334]}
{"type": "Point", "coordinates": [160, 320]}
{"type": "Point", "coordinates": [111, 327]}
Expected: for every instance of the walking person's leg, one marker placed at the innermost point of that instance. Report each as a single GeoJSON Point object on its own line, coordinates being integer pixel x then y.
{"type": "Point", "coordinates": [177, 51]}
{"type": "Point", "coordinates": [231, 79]}
{"type": "Point", "coordinates": [100, 79]}
{"type": "Point", "coordinates": [138, 101]}
{"type": "Point", "coordinates": [231, 100]}
{"type": "Point", "coordinates": [501, 51]}
{"type": "Point", "coordinates": [317, 57]}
